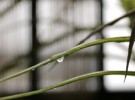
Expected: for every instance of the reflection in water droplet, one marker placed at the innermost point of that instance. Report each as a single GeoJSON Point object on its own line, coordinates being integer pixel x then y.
{"type": "Point", "coordinates": [60, 59]}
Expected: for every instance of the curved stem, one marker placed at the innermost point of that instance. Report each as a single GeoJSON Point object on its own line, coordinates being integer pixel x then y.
{"type": "Point", "coordinates": [78, 78]}
{"type": "Point", "coordinates": [66, 53]}
{"type": "Point", "coordinates": [97, 30]}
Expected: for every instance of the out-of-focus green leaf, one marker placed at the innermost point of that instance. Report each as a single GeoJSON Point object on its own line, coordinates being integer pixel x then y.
{"type": "Point", "coordinates": [128, 5]}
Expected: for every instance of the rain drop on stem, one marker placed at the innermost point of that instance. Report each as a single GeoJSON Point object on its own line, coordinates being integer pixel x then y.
{"type": "Point", "coordinates": [60, 59]}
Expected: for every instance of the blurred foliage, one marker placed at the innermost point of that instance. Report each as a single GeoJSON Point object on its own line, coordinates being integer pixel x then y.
{"type": "Point", "coordinates": [128, 5]}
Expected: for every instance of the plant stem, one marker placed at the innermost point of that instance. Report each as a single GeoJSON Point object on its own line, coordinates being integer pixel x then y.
{"type": "Point", "coordinates": [78, 78]}
{"type": "Point", "coordinates": [66, 53]}
{"type": "Point", "coordinates": [130, 13]}
{"type": "Point", "coordinates": [97, 30]}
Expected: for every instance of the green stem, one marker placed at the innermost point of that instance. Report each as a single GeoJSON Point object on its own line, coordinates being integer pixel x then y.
{"type": "Point", "coordinates": [78, 78]}
{"type": "Point", "coordinates": [97, 30]}
{"type": "Point", "coordinates": [66, 53]}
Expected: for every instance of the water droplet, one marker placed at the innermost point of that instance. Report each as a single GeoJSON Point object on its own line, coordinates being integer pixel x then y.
{"type": "Point", "coordinates": [60, 59]}
{"type": "Point", "coordinates": [33, 69]}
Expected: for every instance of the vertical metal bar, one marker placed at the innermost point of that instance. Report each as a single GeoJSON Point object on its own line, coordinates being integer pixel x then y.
{"type": "Point", "coordinates": [101, 47]}
{"type": "Point", "coordinates": [34, 44]}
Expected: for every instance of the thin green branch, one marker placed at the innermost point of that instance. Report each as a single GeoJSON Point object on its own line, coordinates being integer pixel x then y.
{"type": "Point", "coordinates": [66, 53]}
{"type": "Point", "coordinates": [97, 30]}
{"type": "Point", "coordinates": [66, 82]}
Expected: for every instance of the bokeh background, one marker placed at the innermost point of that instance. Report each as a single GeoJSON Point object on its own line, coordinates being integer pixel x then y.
{"type": "Point", "coordinates": [34, 30]}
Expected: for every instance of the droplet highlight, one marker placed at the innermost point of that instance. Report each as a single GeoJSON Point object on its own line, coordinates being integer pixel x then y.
{"type": "Point", "coordinates": [60, 59]}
